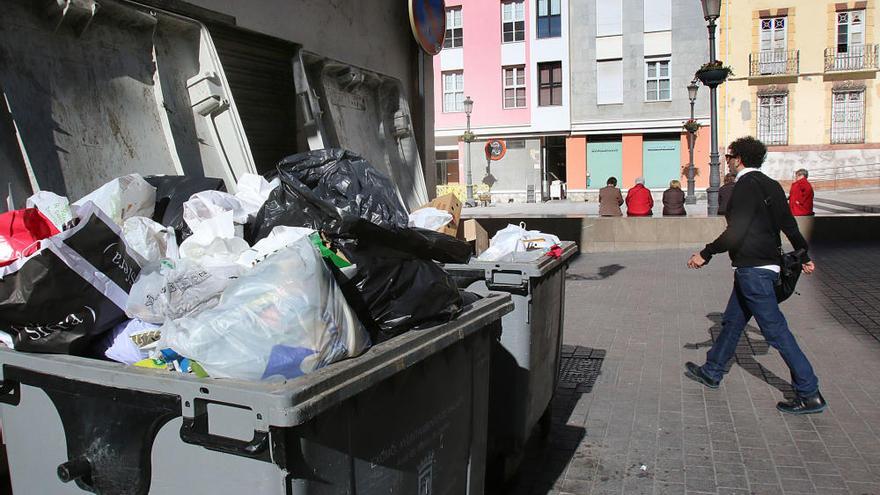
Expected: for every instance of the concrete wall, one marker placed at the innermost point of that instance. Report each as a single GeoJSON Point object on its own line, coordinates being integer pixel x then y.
{"type": "Point", "coordinates": [606, 234]}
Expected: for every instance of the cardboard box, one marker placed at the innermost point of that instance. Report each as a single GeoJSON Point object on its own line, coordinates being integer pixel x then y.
{"type": "Point", "coordinates": [451, 204]}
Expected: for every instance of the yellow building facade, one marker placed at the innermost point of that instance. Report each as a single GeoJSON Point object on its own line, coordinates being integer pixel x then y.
{"type": "Point", "coordinates": [806, 84]}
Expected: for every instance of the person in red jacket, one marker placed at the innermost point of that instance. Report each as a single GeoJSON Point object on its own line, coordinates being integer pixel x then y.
{"type": "Point", "coordinates": [800, 198]}
{"type": "Point", "coordinates": [638, 200]}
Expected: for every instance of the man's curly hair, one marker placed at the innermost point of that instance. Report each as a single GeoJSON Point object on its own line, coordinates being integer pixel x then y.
{"type": "Point", "coordinates": [751, 151]}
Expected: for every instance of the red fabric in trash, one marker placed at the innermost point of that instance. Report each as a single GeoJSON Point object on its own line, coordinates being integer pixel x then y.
{"type": "Point", "coordinates": [21, 230]}
{"type": "Point", "coordinates": [555, 251]}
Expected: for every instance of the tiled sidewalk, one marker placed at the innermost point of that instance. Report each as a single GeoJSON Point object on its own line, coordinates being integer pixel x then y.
{"type": "Point", "coordinates": [644, 428]}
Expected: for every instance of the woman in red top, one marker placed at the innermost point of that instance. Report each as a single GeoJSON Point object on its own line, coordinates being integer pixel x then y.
{"type": "Point", "coordinates": [800, 197]}
{"type": "Point", "coordinates": [638, 200]}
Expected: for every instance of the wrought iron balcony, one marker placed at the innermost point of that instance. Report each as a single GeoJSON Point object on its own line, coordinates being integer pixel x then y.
{"type": "Point", "coordinates": [774, 62]}
{"type": "Point", "coordinates": [856, 57]}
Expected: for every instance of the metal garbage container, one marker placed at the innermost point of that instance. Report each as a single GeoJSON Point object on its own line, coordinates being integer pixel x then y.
{"type": "Point", "coordinates": [525, 363]}
{"type": "Point", "coordinates": [408, 416]}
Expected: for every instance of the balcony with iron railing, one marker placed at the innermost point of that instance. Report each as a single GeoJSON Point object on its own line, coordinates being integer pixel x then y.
{"type": "Point", "coordinates": [855, 58]}
{"type": "Point", "coordinates": [774, 63]}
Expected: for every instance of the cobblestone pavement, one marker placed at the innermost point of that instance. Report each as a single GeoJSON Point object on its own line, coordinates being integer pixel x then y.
{"type": "Point", "coordinates": [643, 428]}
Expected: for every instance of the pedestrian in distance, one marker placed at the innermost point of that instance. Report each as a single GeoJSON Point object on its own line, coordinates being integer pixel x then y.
{"type": "Point", "coordinates": [638, 200]}
{"type": "Point", "coordinates": [756, 214]}
{"type": "Point", "coordinates": [673, 200]}
{"type": "Point", "coordinates": [724, 193]}
{"type": "Point", "coordinates": [610, 199]}
{"type": "Point", "coordinates": [800, 197]}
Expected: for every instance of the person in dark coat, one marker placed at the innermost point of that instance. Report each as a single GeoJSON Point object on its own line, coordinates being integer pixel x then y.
{"type": "Point", "coordinates": [638, 200]}
{"type": "Point", "coordinates": [756, 215]}
{"type": "Point", "coordinates": [673, 200]}
{"type": "Point", "coordinates": [610, 199]}
{"type": "Point", "coordinates": [724, 193]}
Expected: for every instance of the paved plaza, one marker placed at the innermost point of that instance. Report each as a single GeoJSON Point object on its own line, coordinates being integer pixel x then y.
{"type": "Point", "coordinates": [643, 428]}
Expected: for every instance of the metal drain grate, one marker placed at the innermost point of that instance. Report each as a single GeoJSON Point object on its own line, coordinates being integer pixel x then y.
{"type": "Point", "coordinates": [580, 367]}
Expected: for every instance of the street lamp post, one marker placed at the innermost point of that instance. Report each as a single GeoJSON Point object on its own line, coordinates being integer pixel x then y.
{"type": "Point", "coordinates": [711, 12]}
{"type": "Point", "coordinates": [691, 198]}
{"type": "Point", "coordinates": [468, 139]}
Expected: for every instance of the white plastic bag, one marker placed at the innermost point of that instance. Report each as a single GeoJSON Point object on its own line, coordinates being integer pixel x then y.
{"type": "Point", "coordinates": [429, 218]}
{"type": "Point", "coordinates": [151, 240]}
{"type": "Point", "coordinates": [56, 208]}
{"type": "Point", "coordinates": [218, 252]}
{"type": "Point", "coordinates": [206, 205]}
{"type": "Point", "coordinates": [122, 198]}
{"type": "Point", "coordinates": [176, 288]}
{"type": "Point", "coordinates": [252, 191]}
{"type": "Point", "coordinates": [516, 242]}
{"type": "Point", "coordinates": [279, 238]}
{"type": "Point", "coordinates": [285, 317]}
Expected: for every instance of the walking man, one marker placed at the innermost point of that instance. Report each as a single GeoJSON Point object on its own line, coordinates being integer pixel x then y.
{"type": "Point", "coordinates": [756, 213]}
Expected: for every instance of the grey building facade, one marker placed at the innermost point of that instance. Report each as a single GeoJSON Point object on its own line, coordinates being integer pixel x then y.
{"type": "Point", "coordinates": [631, 63]}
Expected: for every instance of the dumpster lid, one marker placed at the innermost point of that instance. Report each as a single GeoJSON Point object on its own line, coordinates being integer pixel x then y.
{"type": "Point", "coordinates": [366, 112]}
{"type": "Point", "coordinates": [532, 268]}
{"type": "Point", "coordinates": [282, 404]}
{"type": "Point", "coordinates": [96, 90]}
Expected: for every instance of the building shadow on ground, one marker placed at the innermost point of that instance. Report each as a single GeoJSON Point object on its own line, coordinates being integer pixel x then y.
{"type": "Point", "coordinates": [750, 344]}
{"type": "Point", "coordinates": [553, 444]}
{"type": "Point", "coordinates": [603, 273]}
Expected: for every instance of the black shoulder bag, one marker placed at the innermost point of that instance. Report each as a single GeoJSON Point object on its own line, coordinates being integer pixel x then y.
{"type": "Point", "coordinates": [790, 263]}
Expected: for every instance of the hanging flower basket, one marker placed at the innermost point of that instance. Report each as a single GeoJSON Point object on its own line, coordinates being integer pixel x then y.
{"type": "Point", "coordinates": [691, 126]}
{"type": "Point", "coordinates": [713, 73]}
{"type": "Point", "coordinates": [684, 170]}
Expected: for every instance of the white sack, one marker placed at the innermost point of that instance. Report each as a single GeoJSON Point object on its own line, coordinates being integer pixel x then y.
{"type": "Point", "coordinates": [279, 238]}
{"type": "Point", "coordinates": [124, 197]}
{"type": "Point", "coordinates": [284, 317]}
{"type": "Point", "coordinates": [515, 241]}
{"type": "Point", "coordinates": [430, 218]}
{"type": "Point", "coordinates": [150, 240]}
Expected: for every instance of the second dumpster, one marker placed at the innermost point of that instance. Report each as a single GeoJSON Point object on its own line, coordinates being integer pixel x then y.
{"type": "Point", "coordinates": [525, 363]}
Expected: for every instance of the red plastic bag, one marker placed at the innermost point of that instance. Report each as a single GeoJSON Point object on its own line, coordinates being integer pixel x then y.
{"type": "Point", "coordinates": [21, 232]}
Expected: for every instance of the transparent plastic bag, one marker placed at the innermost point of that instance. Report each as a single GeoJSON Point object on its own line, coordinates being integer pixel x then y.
{"type": "Point", "coordinates": [514, 241]}
{"type": "Point", "coordinates": [173, 289]}
{"type": "Point", "coordinates": [429, 218]}
{"type": "Point", "coordinates": [123, 197]}
{"type": "Point", "coordinates": [285, 317]}
{"type": "Point", "coordinates": [150, 240]}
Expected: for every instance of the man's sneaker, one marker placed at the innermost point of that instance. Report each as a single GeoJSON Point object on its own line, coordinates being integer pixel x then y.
{"type": "Point", "coordinates": [696, 374]}
{"type": "Point", "coordinates": [804, 405]}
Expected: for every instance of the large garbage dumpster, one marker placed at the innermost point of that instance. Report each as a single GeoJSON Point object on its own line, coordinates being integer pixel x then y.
{"type": "Point", "coordinates": [525, 363]}
{"type": "Point", "coordinates": [95, 90]}
{"type": "Point", "coordinates": [409, 416]}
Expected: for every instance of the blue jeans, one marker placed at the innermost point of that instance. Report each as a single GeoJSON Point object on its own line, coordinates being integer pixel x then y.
{"type": "Point", "coordinates": [753, 295]}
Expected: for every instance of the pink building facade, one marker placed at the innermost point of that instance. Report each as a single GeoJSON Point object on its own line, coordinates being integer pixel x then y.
{"type": "Point", "coordinates": [511, 59]}
{"type": "Point", "coordinates": [579, 91]}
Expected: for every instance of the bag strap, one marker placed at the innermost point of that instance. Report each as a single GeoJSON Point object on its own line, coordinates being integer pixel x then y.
{"type": "Point", "coordinates": [768, 204]}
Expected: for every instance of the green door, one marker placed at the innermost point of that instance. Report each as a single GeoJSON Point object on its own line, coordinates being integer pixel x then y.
{"type": "Point", "coordinates": [604, 160]}
{"type": "Point", "coordinates": [662, 162]}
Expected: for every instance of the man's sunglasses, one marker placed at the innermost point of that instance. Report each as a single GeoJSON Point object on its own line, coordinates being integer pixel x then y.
{"type": "Point", "coordinates": [729, 156]}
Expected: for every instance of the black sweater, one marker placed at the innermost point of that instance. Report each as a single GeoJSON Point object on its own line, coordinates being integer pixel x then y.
{"type": "Point", "coordinates": [750, 237]}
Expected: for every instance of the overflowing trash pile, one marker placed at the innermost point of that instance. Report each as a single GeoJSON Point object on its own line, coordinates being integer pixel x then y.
{"type": "Point", "coordinates": [515, 243]}
{"type": "Point", "coordinates": [294, 271]}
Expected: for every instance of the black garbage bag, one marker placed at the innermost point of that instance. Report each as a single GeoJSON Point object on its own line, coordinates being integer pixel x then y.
{"type": "Point", "coordinates": [400, 291]}
{"type": "Point", "coordinates": [342, 195]}
{"type": "Point", "coordinates": [174, 190]}
{"type": "Point", "coordinates": [398, 284]}
{"type": "Point", "coordinates": [330, 190]}
{"type": "Point", "coordinates": [72, 291]}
